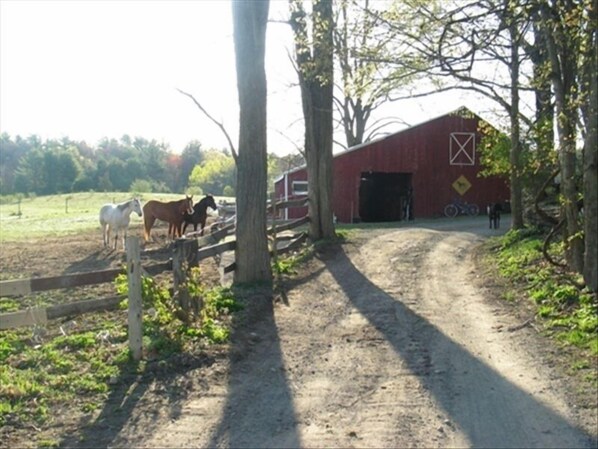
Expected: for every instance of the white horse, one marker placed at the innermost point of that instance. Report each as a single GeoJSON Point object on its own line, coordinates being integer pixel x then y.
{"type": "Point", "coordinates": [114, 217]}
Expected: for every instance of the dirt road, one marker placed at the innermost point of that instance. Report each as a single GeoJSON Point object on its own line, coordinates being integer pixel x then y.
{"type": "Point", "coordinates": [386, 342]}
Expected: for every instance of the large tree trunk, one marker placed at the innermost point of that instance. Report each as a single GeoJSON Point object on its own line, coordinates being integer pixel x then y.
{"type": "Point", "coordinates": [319, 164]}
{"type": "Point", "coordinates": [251, 253]}
{"type": "Point", "coordinates": [515, 153]}
{"type": "Point", "coordinates": [590, 166]}
{"type": "Point", "coordinates": [564, 52]}
{"type": "Point", "coordinates": [543, 93]}
{"type": "Point", "coordinates": [590, 195]}
{"type": "Point", "coordinates": [569, 191]}
{"type": "Point", "coordinates": [315, 67]}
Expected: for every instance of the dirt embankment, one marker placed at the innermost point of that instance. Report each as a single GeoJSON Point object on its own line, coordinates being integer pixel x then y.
{"type": "Point", "coordinates": [388, 341]}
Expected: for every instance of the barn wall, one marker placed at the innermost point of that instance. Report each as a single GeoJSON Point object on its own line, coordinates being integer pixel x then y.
{"type": "Point", "coordinates": [423, 151]}
{"type": "Point", "coordinates": [282, 194]}
{"type": "Point", "coordinates": [434, 178]}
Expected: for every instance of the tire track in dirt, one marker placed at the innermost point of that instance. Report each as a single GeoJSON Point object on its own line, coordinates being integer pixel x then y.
{"type": "Point", "coordinates": [357, 393]}
{"type": "Point", "coordinates": [491, 391]}
{"type": "Point", "coordinates": [360, 391]}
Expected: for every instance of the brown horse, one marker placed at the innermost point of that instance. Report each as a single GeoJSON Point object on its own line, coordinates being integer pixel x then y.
{"type": "Point", "coordinates": [171, 212]}
{"type": "Point", "coordinates": [200, 213]}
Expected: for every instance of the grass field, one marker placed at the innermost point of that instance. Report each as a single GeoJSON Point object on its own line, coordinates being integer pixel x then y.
{"type": "Point", "coordinates": [64, 214]}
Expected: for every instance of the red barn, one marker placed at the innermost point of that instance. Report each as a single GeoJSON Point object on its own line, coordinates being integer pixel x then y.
{"type": "Point", "coordinates": [413, 173]}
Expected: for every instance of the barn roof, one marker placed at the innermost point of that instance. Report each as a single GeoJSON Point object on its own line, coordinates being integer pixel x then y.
{"type": "Point", "coordinates": [463, 111]}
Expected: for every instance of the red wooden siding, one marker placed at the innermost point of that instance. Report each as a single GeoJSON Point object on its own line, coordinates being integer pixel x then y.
{"type": "Point", "coordinates": [283, 190]}
{"type": "Point", "coordinates": [424, 152]}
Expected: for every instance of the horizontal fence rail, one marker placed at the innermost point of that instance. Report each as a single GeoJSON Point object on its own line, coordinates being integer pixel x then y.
{"type": "Point", "coordinates": [22, 287]}
{"type": "Point", "coordinates": [40, 315]}
{"type": "Point", "coordinates": [202, 248]}
{"type": "Point", "coordinates": [292, 245]}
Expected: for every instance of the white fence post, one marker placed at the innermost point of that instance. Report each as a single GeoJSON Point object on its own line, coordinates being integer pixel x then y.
{"type": "Point", "coordinates": [135, 309]}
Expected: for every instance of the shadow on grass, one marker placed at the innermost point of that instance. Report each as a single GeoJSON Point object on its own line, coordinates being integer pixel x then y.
{"type": "Point", "coordinates": [107, 258]}
{"type": "Point", "coordinates": [96, 261]}
{"type": "Point", "coordinates": [500, 417]}
{"type": "Point", "coordinates": [121, 407]}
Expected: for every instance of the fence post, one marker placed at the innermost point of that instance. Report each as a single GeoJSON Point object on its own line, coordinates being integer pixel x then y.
{"type": "Point", "coordinates": [135, 310]}
{"type": "Point", "coordinates": [274, 239]}
{"type": "Point", "coordinates": [185, 256]}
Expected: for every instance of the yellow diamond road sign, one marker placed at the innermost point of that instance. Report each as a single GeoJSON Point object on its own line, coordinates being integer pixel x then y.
{"type": "Point", "coordinates": [461, 185]}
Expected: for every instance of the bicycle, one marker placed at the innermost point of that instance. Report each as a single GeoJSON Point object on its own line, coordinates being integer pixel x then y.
{"type": "Point", "coordinates": [460, 207]}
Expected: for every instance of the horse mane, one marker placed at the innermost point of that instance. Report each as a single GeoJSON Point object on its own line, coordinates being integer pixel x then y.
{"type": "Point", "coordinates": [123, 206]}
{"type": "Point", "coordinates": [182, 200]}
{"type": "Point", "coordinates": [205, 198]}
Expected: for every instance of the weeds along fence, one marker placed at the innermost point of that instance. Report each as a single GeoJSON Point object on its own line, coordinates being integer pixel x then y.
{"type": "Point", "coordinates": [39, 316]}
{"type": "Point", "coordinates": [187, 254]}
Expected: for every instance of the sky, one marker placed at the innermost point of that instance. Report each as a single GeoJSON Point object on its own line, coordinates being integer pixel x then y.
{"type": "Point", "coordinates": [92, 69]}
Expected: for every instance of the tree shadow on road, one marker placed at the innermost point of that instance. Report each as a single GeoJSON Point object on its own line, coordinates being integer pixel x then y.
{"type": "Point", "coordinates": [479, 418]}
{"type": "Point", "coordinates": [257, 414]}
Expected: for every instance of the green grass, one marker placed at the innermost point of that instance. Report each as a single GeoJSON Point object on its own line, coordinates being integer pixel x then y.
{"type": "Point", "coordinates": [79, 368]}
{"type": "Point", "coordinates": [288, 265]}
{"type": "Point", "coordinates": [71, 369]}
{"type": "Point", "coordinates": [57, 215]}
{"type": "Point", "coordinates": [568, 312]}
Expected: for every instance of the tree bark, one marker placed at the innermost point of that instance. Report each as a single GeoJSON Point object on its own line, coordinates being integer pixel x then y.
{"type": "Point", "coordinates": [563, 54]}
{"type": "Point", "coordinates": [590, 193]}
{"type": "Point", "coordinates": [589, 90]}
{"type": "Point", "coordinates": [315, 69]}
{"type": "Point", "coordinates": [251, 252]}
{"type": "Point", "coordinates": [543, 94]}
{"type": "Point", "coordinates": [515, 152]}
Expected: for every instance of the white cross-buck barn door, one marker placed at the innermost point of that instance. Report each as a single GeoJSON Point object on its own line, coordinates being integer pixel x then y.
{"type": "Point", "coordinates": [462, 149]}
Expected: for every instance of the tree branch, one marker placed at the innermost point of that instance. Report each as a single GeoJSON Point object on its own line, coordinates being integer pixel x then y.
{"type": "Point", "coordinates": [217, 123]}
{"type": "Point", "coordinates": [297, 147]}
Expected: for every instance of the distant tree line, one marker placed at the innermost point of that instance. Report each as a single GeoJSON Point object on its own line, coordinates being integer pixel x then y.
{"type": "Point", "coordinates": [34, 166]}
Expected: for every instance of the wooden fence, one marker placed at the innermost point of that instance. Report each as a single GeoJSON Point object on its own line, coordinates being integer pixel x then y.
{"type": "Point", "coordinates": [187, 253]}
{"type": "Point", "coordinates": [40, 315]}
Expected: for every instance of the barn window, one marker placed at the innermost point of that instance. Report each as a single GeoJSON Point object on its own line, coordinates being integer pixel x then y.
{"type": "Point", "coordinates": [299, 187]}
{"type": "Point", "coordinates": [462, 149]}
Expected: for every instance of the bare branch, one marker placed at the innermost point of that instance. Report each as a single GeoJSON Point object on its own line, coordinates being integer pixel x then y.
{"type": "Point", "coordinates": [340, 144]}
{"type": "Point", "coordinates": [297, 147]}
{"type": "Point", "coordinates": [376, 128]}
{"type": "Point", "coordinates": [216, 122]}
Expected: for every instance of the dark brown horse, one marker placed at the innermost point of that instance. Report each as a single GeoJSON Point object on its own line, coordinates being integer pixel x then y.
{"type": "Point", "coordinates": [200, 213]}
{"type": "Point", "coordinates": [171, 212]}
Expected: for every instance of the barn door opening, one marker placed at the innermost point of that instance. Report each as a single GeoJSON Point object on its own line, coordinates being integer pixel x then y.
{"type": "Point", "coordinates": [385, 197]}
